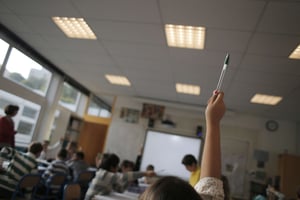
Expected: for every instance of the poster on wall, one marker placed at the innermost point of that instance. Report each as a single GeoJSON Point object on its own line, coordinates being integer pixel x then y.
{"type": "Point", "coordinates": [130, 115]}
{"type": "Point", "coordinates": [152, 111]}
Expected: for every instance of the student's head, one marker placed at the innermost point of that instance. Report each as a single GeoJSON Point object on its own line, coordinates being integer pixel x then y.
{"type": "Point", "coordinates": [62, 154]}
{"type": "Point", "coordinates": [11, 110]}
{"type": "Point", "coordinates": [35, 148]}
{"type": "Point", "coordinates": [111, 163]}
{"type": "Point", "coordinates": [190, 162]}
{"type": "Point", "coordinates": [127, 166]}
{"type": "Point", "coordinates": [170, 188]}
{"type": "Point", "coordinates": [100, 158]}
{"type": "Point", "coordinates": [79, 155]}
{"type": "Point", "coordinates": [150, 168]}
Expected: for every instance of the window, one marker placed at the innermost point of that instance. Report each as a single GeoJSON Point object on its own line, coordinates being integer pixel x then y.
{"type": "Point", "coordinates": [3, 50]}
{"type": "Point", "coordinates": [26, 72]}
{"type": "Point", "coordinates": [70, 97]}
{"type": "Point", "coordinates": [26, 118]}
{"type": "Point", "coordinates": [98, 108]}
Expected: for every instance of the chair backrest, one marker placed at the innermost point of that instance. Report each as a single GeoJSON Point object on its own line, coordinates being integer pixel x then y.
{"type": "Point", "coordinates": [85, 177]}
{"type": "Point", "coordinates": [71, 191]}
{"type": "Point", "coordinates": [28, 182]}
{"type": "Point", "coordinates": [58, 179]}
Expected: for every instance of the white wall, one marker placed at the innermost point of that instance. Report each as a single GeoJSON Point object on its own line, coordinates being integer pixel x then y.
{"type": "Point", "coordinates": [125, 139]}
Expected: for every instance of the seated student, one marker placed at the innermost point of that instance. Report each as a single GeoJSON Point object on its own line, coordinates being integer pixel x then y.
{"type": "Point", "coordinates": [58, 165]}
{"type": "Point", "coordinates": [107, 179]}
{"type": "Point", "coordinates": [150, 180]}
{"type": "Point", "coordinates": [100, 158]}
{"type": "Point", "coordinates": [20, 164]}
{"type": "Point", "coordinates": [209, 186]}
{"type": "Point", "coordinates": [191, 164]}
{"type": "Point", "coordinates": [126, 166]}
{"type": "Point", "coordinates": [77, 164]}
{"type": "Point", "coordinates": [49, 152]}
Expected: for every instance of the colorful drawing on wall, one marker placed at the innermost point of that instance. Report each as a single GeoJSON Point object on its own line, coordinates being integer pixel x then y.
{"type": "Point", "coordinates": [130, 115]}
{"type": "Point", "coordinates": [153, 111]}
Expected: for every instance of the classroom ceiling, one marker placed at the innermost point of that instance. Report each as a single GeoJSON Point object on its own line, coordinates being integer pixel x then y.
{"type": "Point", "coordinates": [258, 34]}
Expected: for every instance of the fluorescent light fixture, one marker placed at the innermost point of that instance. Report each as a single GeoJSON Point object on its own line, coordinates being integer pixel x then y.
{"type": "Point", "coordinates": [185, 36]}
{"type": "Point", "coordinates": [74, 27]}
{"type": "Point", "coordinates": [187, 89]}
{"type": "Point", "coordinates": [117, 80]}
{"type": "Point", "coordinates": [265, 99]}
{"type": "Point", "coordinates": [296, 53]}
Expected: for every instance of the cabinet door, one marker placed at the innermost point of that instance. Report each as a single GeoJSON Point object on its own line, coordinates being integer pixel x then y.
{"type": "Point", "coordinates": [92, 140]}
{"type": "Point", "coordinates": [289, 166]}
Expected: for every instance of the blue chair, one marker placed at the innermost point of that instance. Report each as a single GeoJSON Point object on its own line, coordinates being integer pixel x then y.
{"type": "Point", "coordinates": [27, 186]}
{"type": "Point", "coordinates": [71, 192]}
{"type": "Point", "coordinates": [84, 179]}
{"type": "Point", "coordinates": [54, 187]}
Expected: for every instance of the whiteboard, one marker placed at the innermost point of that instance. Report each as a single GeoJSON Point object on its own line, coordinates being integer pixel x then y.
{"type": "Point", "coordinates": [165, 151]}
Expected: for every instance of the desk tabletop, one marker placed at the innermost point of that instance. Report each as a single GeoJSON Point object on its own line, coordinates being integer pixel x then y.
{"type": "Point", "coordinates": [118, 196]}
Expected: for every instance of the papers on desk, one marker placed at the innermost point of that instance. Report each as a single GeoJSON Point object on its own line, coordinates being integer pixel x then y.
{"type": "Point", "coordinates": [118, 196]}
{"type": "Point", "coordinates": [41, 162]}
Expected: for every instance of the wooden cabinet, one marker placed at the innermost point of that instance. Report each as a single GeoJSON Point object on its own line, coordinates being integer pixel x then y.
{"type": "Point", "coordinates": [92, 137]}
{"type": "Point", "coordinates": [289, 172]}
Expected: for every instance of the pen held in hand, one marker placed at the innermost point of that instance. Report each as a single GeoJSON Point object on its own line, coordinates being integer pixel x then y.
{"type": "Point", "coordinates": [220, 82]}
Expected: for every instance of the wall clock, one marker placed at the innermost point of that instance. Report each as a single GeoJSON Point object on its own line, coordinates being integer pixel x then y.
{"type": "Point", "coordinates": [272, 125]}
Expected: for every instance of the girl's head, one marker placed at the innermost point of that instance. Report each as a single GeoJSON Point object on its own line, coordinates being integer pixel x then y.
{"type": "Point", "coordinates": [110, 163]}
{"type": "Point", "coordinates": [170, 188]}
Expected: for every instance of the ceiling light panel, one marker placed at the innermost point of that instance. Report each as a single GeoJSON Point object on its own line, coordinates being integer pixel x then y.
{"type": "Point", "coordinates": [185, 36]}
{"type": "Point", "coordinates": [296, 53]}
{"type": "Point", "coordinates": [265, 99]}
{"type": "Point", "coordinates": [187, 89]}
{"type": "Point", "coordinates": [117, 80]}
{"type": "Point", "coordinates": [74, 27]}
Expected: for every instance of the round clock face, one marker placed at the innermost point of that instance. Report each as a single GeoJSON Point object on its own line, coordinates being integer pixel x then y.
{"type": "Point", "coordinates": [272, 125]}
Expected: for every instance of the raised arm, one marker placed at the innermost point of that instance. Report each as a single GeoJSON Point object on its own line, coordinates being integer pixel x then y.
{"type": "Point", "coordinates": [210, 186]}
{"type": "Point", "coordinates": [211, 159]}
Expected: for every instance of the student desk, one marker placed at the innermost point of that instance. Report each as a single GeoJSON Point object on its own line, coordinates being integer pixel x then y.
{"type": "Point", "coordinates": [118, 196]}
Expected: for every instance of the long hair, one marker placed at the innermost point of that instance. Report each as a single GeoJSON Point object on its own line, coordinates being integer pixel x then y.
{"type": "Point", "coordinates": [170, 188]}
{"type": "Point", "coordinates": [112, 161]}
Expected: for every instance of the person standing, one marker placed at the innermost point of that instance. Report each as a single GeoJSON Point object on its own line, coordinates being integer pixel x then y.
{"type": "Point", "coordinates": [191, 164]}
{"type": "Point", "coordinates": [7, 127]}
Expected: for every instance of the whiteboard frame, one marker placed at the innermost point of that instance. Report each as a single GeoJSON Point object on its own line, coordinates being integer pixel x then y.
{"type": "Point", "coordinates": [164, 162]}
